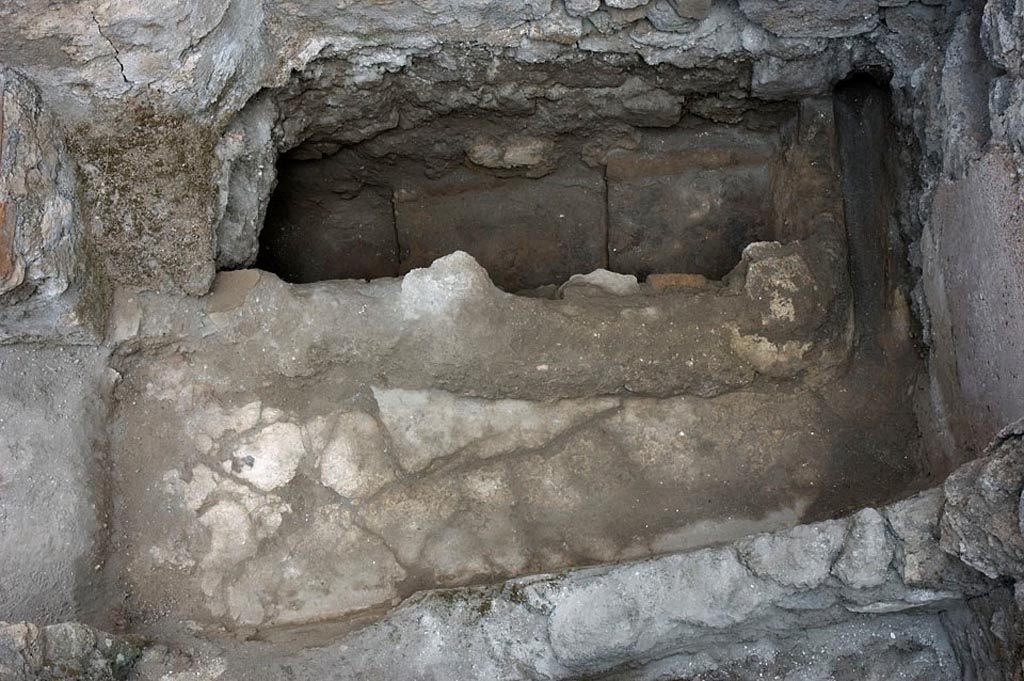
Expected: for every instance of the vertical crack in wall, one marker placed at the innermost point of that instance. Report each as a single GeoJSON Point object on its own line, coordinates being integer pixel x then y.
{"type": "Point", "coordinates": [398, 236]}
{"type": "Point", "coordinates": [6, 240]}
{"type": "Point", "coordinates": [117, 52]}
{"type": "Point", "coordinates": [607, 221]}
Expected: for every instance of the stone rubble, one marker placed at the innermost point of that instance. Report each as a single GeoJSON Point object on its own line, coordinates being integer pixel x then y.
{"type": "Point", "coordinates": [68, 651]}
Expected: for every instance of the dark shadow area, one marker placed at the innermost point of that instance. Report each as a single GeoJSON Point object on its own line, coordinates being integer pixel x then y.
{"type": "Point", "coordinates": [320, 225]}
{"type": "Point", "coordinates": [864, 128]}
{"type": "Point", "coordinates": [679, 200]}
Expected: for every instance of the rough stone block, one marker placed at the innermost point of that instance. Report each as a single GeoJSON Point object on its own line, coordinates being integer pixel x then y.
{"type": "Point", "coordinates": [426, 426]}
{"type": "Point", "coordinates": [1001, 33]}
{"type": "Point", "coordinates": [685, 211]}
{"type": "Point", "coordinates": [915, 523]}
{"type": "Point", "coordinates": [864, 560]}
{"type": "Point", "coordinates": [810, 19]}
{"type": "Point", "coordinates": [600, 282]}
{"type": "Point", "coordinates": [691, 9]}
{"type": "Point", "coordinates": [46, 290]}
{"type": "Point", "coordinates": [981, 519]}
{"type": "Point", "coordinates": [246, 154]}
{"type": "Point", "coordinates": [799, 557]}
{"type": "Point", "coordinates": [525, 232]}
{"type": "Point", "coordinates": [625, 4]}
{"type": "Point", "coordinates": [320, 227]}
{"type": "Point", "coordinates": [150, 197]}
{"type": "Point", "coordinates": [776, 78]}
{"type": "Point", "coordinates": [581, 7]}
{"type": "Point", "coordinates": [595, 626]}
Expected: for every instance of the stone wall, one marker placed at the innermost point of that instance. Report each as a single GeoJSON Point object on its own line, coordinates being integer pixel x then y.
{"type": "Point", "coordinates": [973, 246]}
{"type": "Point", "coordinates": [211, 95]}
{"type": "Point", "coordinates": [50, 289]}
{"type": "Point", "coordinates": [974, 283]}
{"type": "Point", "coordinates": [686, 199]}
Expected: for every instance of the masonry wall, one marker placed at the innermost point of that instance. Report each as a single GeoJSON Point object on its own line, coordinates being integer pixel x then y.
{"type": "Point", "coordinates": [972, 249]}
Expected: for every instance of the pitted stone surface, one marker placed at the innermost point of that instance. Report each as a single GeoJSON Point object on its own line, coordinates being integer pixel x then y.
{"type": "Point", "coordinates": [981, 520]}
{"type": "Point", "coordinates": [595, 627]}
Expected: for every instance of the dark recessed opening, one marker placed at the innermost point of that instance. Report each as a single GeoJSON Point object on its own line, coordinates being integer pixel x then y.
{"type": "Point", "coordinates": [684, 200]}
{"type": "Point", "coordinates": [604, 163]}
{"type": "Point", "coordinates": [866, 143]}
{"type": "Point", "coordinates": [320, 225]}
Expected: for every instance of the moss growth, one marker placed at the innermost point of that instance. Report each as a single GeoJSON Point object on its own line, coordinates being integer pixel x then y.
{"type": "Point", "coordinates": [150, 194]}
{"type": "Point", "coordinates": [94, 303]}
{"type": "Point", "coordinates": [515, 594]}
{"type": "Point", "coordinates": [449, 597]}
{"type": "Point", "coordinates": [452, 598]}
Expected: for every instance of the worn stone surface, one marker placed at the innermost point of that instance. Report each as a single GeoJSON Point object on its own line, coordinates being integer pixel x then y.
{"type": "Point", "coordinates": [974, 280]}
{"type": "Point", "coordinates": [426, 427]}
{"type": "Point", "coordinates": [480, 488]}
{"type": "Point", "coordinates": [797, 19]}
{"type": "Point", "coordinates": [247, 173]}
{"type": "Point", "coordinates": [801, 557]}
{"type": "Point", "coordinates": [51, 426]}
{"type": "Point", "coordinates": [600, 281]}
{"type": "Point", "coordinates": [973, 322]}
{"type": "Point", "coordinates": [867, 552]}
{"type": "Point", "coordinates": [915, 521]}
{"type": "Point", "coordinates": [448, 327]}
{"type": "Point", "coordinates": [47, 291]}
{"type": "Point", "coordinates": [353, 461]}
